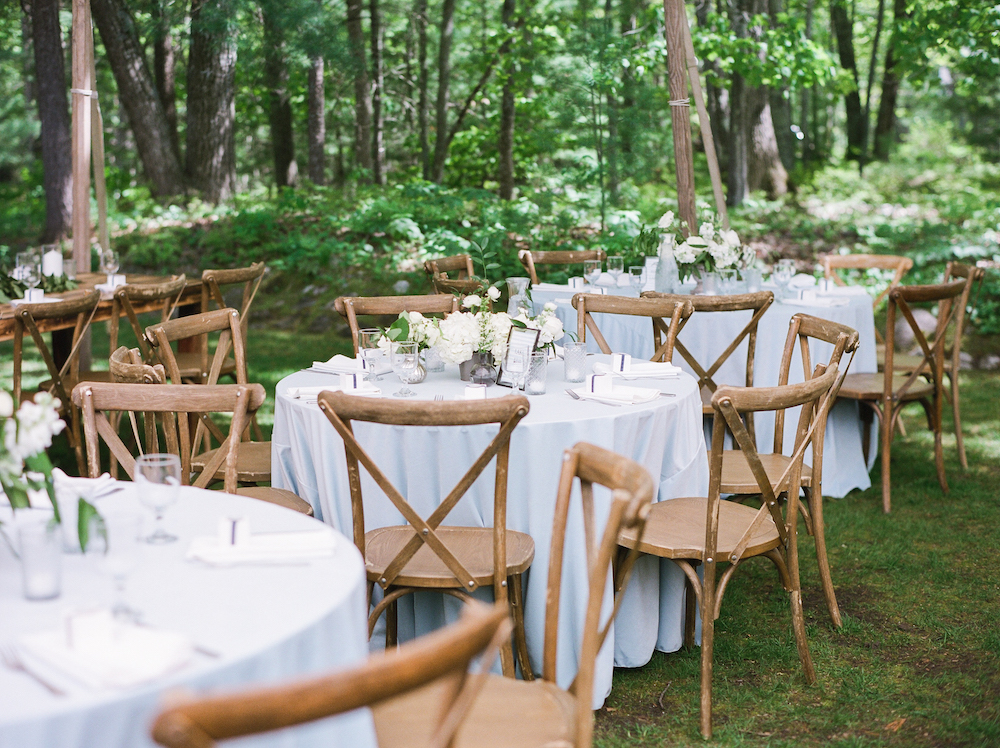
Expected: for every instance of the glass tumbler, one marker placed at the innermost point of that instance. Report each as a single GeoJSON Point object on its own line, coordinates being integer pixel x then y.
{"type": "Point", "coordinates": [575, 361]}
{"type": "Point", "coordinates": [41, 553]}
{"type": "Point", "coordinates": [534, 382]}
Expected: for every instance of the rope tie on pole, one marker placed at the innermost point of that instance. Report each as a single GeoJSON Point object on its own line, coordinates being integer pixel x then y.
{"type": "Point", "coordinates": [84, 92]}
{"type": "Point", "coordinates": [680, 102]}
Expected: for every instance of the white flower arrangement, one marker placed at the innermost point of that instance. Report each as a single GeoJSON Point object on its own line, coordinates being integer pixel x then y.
{"type": "Point", "coordinates": [550, 327]}
{"type": "Point", "coordinates": [711, 249]}
{"type": "Point", "coordinates": [414, 327]}
{"type": "Point", "coordinates": [27, 433]}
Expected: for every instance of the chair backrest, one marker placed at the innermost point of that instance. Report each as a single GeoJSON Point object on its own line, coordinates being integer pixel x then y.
{"type": "Point", "coordinates": [973, 277]}
{"type": "Point", "coordinates": [170, 403]}
{"type": "Point", "coordinates": [731, 405]}
{"type": "Point", "coordinates": [441, 266]}
{"type": "Point", "coordinates": [26, 317]}
{"type": "Point", "coordinates": [459, 287]}
{"type": "Point", "coordinates": [804, 328]}
{"type": "Point", "coordinates": [667, 315]}
{"type": "Point", "coordinates": [632, 491]}
{"type": "Point", "coordinates": [898, 264]}
{"type": "Point", "coordinates": [226, 322]}
{"type": "Point", "coordinates": [351, 306]}
{"type": "Point", "coordinates": [946, 296]}
{"type": "Point", "coordinates": [125, 298]}
{"type": "Point", "coordinates": [127, 367]}
{"type": "Point", "coordinates": [445, 654]}
{"type": "Point", "coordinates": [507, 412]}
{"type": "Point", "coordinates": [213, 281]}
{"type": "Point", "coordinates": [557, 257]}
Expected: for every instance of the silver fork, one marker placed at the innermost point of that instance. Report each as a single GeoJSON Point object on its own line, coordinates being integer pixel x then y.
{"type": "Point", "coordinates": [12, 660]}
{"type": "Point", "coordinates": [576, 396]}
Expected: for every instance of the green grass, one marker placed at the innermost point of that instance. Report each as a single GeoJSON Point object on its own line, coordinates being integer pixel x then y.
{"type": "Point", "coordinates": [919, 590]}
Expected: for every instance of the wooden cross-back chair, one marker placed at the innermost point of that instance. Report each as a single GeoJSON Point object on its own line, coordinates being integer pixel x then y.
{"type": "Point", "coordinates": [667, 316]}
{"type": "Point", "coordinates": [126, 366]}
{"type": "Point", "coordinates": [440, 267]}
{"type": "Point", "coordinates": [443, 657]}
{"type": "Point", "coordinates": [516, 713]}
{"type": "Point", "coordinates": [169, 404]}
{"type": "Point", "coordinates": [887, 393]}
{"type": "Point", "coordinates": [62, 378]}
{"type": "Point", "coordinates": [531, 259]}
{"type": "Point", "coordinates": [898, 264]}
{"type": "Point", "coordinates": [737, 476]}
{"type": "Point", "coordinates": [905, 363]}
{"type": "Point", "coordinates": [350, 307]}
{"type": "Point", "coordinates": [709, 531]}
{"type": "Point", "coordinates": [758, 303]}
{"type": "Point", "coordinates": [425, 553]}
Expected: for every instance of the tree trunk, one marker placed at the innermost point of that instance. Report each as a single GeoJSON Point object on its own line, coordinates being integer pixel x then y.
{"type": "Point", "coordinates": [420, 20]}
{"type": "Point", "coordinates": [138, 95]}
{"type": "Point", "coordinates": [765, 170]}
{"type": "Point", "coordinates": [781, 105]}
{"type": "Point", "coordinates": [378, 86]}
{"type": "Point", "coordinates": [317, 122]}
{"type": "Point", "coordinates": [856, 126]}
{"type": "Point", "coordinates": [612, 100]}
{"type": "Point", "coordinates": [872, 63]}
{"type": "Point", "coordinates": [279, 100]}
{"type": "Point", "coordinates": [717, 98]}
{"type": "Point", "coordinates": [444, 75]}
{"type": "Point", "coordinates": [164, 71]}
{"type": "Point", "coordinates": [50, 74]}
{"type": "Point", "coordinates": [885, 125]}
{"type": "Point", "coordinates": [362, 90]}
{"type": "Point", "coordinates": [736, 151]}
{"type": "Point", "coordinates": [505, 143]}
{"type": "Point", "coordinates": [805, 121]}
{"type": "Point", "coordinates": [27, 57]}
{"type": "Point", "coordinates": [211, 106]}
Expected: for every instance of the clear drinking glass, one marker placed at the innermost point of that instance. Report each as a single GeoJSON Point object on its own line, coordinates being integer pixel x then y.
{"type": "Point", "coordinates": [616, 266]}
{"type": "Point", "coordinates": [637, 277]}
{"type": "Point", "coordinates": [592, 271]}
{"type": "Point", "coordinates": [368, 338]}
{"type": "Point", "coordinates": [405, 358]}
{"type": "Point", "coordinates": [158, 481]}
{"type": "Point", "coordinates": [534, 382]}
{"type": "Point", "coordinates": [575, 361]}
{"type": "Point", "coordinates": [29, 271]}
{"type": "Point", "coordinates": [109, 263]}
{"type": "Point", "coordinates": [114, 547]}
{"type": "Point", "coordinates": [40, 544]}
{"type": "Point", "coordinates": [784, 271]}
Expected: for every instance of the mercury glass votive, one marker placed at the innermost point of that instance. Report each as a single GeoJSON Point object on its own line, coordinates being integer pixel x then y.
{"type": "Point", "coordinates": [575, 361]}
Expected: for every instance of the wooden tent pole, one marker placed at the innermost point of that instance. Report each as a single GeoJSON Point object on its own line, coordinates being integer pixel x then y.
{"type": "Point", "coordinates": [82, 86]}
{"type": "Point", "coordinates": [675, 22]}
{"type": "Point", "coordinates": [97, 140]}
{"type": "Point", "coordinates": [706, 127]}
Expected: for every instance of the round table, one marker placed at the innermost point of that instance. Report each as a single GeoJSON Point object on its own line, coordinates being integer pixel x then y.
{"type": "Point", "coordinates": [425, 463]}
{"type": "Point", "coordinates": [267, 624]}
{"type": "Point", "coordinates": [706, 336]}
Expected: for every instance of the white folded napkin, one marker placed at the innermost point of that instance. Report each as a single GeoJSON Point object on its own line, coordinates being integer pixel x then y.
{"type": "Point", "coordinates": [106, 653]}
{"type": "Point", "coordinates": [641, 370]}
{"type": "Point", "coordinates": [339, 364]}
{"type": "Point", "coordinates": [44, 300]}
{"type": "Point", "coordinates": [620, 395]}
{"type": "Point", "coordinates": [819, 301]}
{"type": "Point", "coordinates": [802, 280]}
{"type": "Point", "coordinates": [69, 491]}
{"type": "Point", "coordinates": [844, 291]}
{"type": "Point", "coordinates": [367, 389]}
{"type": "Point", "coordinates": [555, 287]}
{"type": "Point", "coordinates": [272, 547]}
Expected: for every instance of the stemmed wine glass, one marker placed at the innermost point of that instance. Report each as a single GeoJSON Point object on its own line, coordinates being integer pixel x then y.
{"type": "Point", "coordinates": [368, 349]}
{"type": "Point", "coordinates": [636, 277]}
{"type": "Point", "coordinates": [784, 271]}
{"type": "Point", "coordinates": [29, 271]}
{"type": "Point", "coordinates": [158, 481]}
{"type": "Point", "coordinates": [616, 266]}
{"type": "Point", "coordinates": [592, 271]}
{"type": "Point", "coordinates": [405, 358]}
{"type": "Point", "coordinates": [110, 264]}
{"type": "Point", "coordinates": [114, 547]}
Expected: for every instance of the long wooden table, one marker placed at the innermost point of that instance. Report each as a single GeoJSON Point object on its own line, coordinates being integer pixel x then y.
{"type": "Point", "coordinates": [190, 296]}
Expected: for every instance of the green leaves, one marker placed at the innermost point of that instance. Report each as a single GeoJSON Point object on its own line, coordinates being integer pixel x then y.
{"type": "Point", "coordinates": [399, 330]}
{"type": "Point", "coordinates": [87, 517]}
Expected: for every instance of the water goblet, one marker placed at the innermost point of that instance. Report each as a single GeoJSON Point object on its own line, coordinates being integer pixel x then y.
{"type": "Point", "coordinates": [368, 338]}
{"type": "Point", "coordinates": [592, 271]}
{"type": "Point", "coordinates": [637, 277]}
{"type": "Point", "coordinates": [405, 358]}
{"type": "Point", "coordinates": [784, 271]}
{"type": "Point", "coordinates": [158, 481]}
{"type": "Point", "coordinates": [114, 548]}
{"type": "Point", "coordinates": [616, 266]}
{"type": "Point", "coordinates": [29, 271]}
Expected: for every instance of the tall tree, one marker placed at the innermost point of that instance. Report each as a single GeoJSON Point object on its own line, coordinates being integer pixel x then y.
{"type": "Point", "coordinates": [781, 103]}
{"type": "Point", "coordinates": [211, 104]}
{"type": "Point", "coordinates": [53, 114]}
{"type": "Point", "coordinates": [444, 76]}
{"type": "Point", "coordinates": [736, 151]}
{"type": "Point", "coordinates": [362, 90]}
{"type": "Point", "coordinates": [505, 141]}
{"type": "Point", "coordinates": [279, 97]}
{"type": "Point", "coordinates": [856, 126]}
{"type": "Point", "coordinates": [423, 125]}
{"type": "Point", "coordinates": [378, 90]}
{"type": "Point", "coordinates": [164, 70]}
{"type": "Point", "coordinates": [885, 125]}
{"type": "Point", "coordinates": [317, 121]}
{"type": "Point", "coordinates": [138, 95]}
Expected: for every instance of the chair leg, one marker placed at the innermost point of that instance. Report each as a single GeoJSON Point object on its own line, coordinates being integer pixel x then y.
{"type": "Point", "coordinates": [520, 642]}
{"type": "Point", "coordinates": [801, 643]}
{"type": "Point", "coordinates": [888, 423]}
{"type": "Point", "coordinates": [938, 442]}
{"type": "Point", "coordinates": [959, 441]}
{"type": "Point", "coordinates": [391, 621]}
{"type": "Point", "coordinates": [76, 441]}
{"type": "Point", "coordinates": [707, 641]}
{"type": "Point", "coordinates": [690, 613]}
{"type": "Point", "coordinates": [867, 414]}
{"type": "Point", "coordinates": [819, 535]}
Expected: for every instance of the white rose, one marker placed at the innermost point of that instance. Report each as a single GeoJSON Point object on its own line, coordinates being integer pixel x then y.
{"type": "Point", "coordinates": [6, 404]}
{"type": "Point", "coordinates": [552, 330]}
{"type": "Point", "coordinates": [724, 255]}
{"type": "Point", "coordinates": [493, 293]}
{"type": "Point", "coordinates": [666, 220]}
{"type": "Point", "coordinates": [731, 238]}
{"type": "Point", "coordinates": [685, 254]}
{"type": "Point", "coordinates": [37, 423]}
{"type": "Point", "coordinates": [471, 301]}
{"type": "Point", "coordinates": [706, 230]}
{"type": "Point", "coordinates": [550, 306]}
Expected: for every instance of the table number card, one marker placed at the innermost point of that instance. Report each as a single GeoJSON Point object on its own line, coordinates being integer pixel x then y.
{"type": "Point", "coordinates": [599, 384]}
{"type": "Point", "coordinates": [350, 381]}
{"type": "Point", "coordinates": [521, 341]}
{"type": "Point", "coordinates": [475, 392]}
{"type": "Point", "coordinates": [577, 282]}
{"type": "Point", "coordinates": [621, 363]}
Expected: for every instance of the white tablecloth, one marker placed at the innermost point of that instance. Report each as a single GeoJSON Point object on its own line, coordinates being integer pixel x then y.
{"type": "Point", "coordinates": [269, 624]}
{"type": "Point", "coordinates": [707, 335]}
{"type": "Point", "coordinates": [664, 436]}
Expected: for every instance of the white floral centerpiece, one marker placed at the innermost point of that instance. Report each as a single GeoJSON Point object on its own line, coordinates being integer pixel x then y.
{"type": "Point", "coordinates": [473, 330]}
{"type": "Point", "coordinates": [27, 433]}
{"type": "Point", "coordinates": [710, 250]}
{"type": "Point", "coordinates": [549, 326]}
{"type": "Point", "coordinates": [414, 327]}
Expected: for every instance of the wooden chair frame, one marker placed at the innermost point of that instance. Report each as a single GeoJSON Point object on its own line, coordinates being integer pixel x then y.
{"type": "Point", "coordinates": [169, 292]}
{"type": "Point", "coordinates": [889, 403]}
{"type": "Point", "coordinates": [350, 307]}
{"type": "Point", "coordinates": [507, 412]}
{"type": "Point", "coordinates": [530, 259]}
{"type": "Point", "coordinates": [445, 654]}
{"type": "Point", "coordinates": [667, 317]}
{"type": "Point", "coordinates": [897, 263]}
{"type": "Point", "coordinates": [168, 401]}
{"type": "Point", "coordinates": [62, 377]}
{"type": "Point", "coordinates": [731, 406]}
{"type": "Point", "coordinates": [441, 266]}
{"type": "Point", "coordinates": [127, 367]}
{"type": "Point", "coordinates": [213, 280]}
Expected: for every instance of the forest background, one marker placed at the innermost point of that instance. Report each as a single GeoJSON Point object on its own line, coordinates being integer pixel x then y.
{"type": "Point", "coordinates": [344, 141]}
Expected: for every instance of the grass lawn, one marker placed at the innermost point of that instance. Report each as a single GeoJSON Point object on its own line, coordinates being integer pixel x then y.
{"type": "Point", "coordinates": [917, 662]}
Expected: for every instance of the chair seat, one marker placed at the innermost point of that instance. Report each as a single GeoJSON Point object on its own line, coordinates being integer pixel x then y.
{"type": "Point", "coordinates": [278, 496]}
{"type": "Point", "coordinates": [676, 529]}
{"type": "Point", "coordinates": [904, 362]}
{"type": "Point", "coordinates": [870, 387]}
{"type": "Point", "coordinates": [189, 362]}
{"type": "Point", "coordinates": [253, 462]}
{"type": "Point", "coordinates": [95, 375]}
{"type": "Point", "coordinates": [738, 478]}
{"type": "Point", "coordinates": [507, 712]}
{"type": "Point", "coordinates": [472, 546]}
